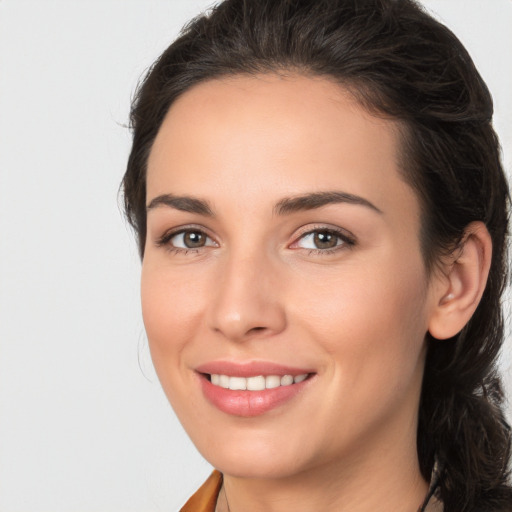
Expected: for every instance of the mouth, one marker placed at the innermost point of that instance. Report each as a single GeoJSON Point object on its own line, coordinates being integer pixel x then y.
{"type": "Point", "coordinates": [251, 389]}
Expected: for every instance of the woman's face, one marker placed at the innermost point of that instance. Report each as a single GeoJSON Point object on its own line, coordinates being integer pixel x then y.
{"type": "Point", "coordinates": [283, 255]}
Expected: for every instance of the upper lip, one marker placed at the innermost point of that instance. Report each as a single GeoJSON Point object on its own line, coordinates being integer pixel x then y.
{"type": "Point", "coordinates": [250, 369]}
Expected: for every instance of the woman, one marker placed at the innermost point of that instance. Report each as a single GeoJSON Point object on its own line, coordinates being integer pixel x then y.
{"type": "Point", "coordinates": [321, 214]}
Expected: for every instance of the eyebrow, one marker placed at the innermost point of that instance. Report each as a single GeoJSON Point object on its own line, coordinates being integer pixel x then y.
{"type": "Point", "coordinates": [319, 199]}
{"type": "Point", "coordinates": [182, 203]}
{"type": "Point", "coordinates": [283, 207]}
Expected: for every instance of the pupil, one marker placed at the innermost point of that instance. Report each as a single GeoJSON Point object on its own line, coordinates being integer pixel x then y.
{"type": "Point", "coordinates": [194, 239]}
{"type": "Point", "coordinates": [325, 240]}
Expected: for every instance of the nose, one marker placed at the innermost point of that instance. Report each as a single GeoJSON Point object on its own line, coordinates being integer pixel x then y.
{"type": "Point", "coordinates": [246, 300]}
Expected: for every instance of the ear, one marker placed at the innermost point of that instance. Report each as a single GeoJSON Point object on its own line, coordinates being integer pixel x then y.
{"type": "Point", "coordinates": [460, 288]}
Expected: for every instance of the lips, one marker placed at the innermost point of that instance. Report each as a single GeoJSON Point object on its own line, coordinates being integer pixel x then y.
{"type": "Point", "coordinates": [251, 389]}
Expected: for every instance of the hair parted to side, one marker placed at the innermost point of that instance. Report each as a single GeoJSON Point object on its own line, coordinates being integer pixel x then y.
{"type": "Point", "coordinates": [398, 62]}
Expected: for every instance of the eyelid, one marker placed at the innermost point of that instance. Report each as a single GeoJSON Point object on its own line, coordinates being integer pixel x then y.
{"type": "Point", "coordinates": [168, 235]}
{"type": "Point", "coordinates": [345, 236]}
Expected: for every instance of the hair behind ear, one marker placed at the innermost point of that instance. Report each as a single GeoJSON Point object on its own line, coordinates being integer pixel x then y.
{"type": "Point", "coordinates": [461, 423]}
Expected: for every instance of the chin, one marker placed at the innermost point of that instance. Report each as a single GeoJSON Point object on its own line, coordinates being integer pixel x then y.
{"type": "Point", "coordinates": [256, 457]}
{"type": "Point", "coordinates": [259, 469]}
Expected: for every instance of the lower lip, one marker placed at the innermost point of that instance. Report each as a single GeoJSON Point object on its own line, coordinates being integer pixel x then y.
{"type": "Point", "coordinates": [249, 403]}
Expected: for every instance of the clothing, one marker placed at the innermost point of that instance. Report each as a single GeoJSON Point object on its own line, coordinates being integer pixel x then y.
{"type": "Point", "coordinates": [205, 499]}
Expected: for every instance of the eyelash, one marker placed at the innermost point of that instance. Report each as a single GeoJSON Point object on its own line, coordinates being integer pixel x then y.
{"type": "Point", "coordinates": [165, 239]}
{"type": "Point", "coordinates": [347, 240]}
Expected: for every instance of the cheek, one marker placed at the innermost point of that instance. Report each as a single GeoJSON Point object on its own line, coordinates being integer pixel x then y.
{"type": "Point", "coordinates": [371, 320]}
{"type": "Point", "coordinates": [171, 309]}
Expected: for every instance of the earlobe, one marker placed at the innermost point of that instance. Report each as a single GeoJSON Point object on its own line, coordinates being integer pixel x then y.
{"type": "Point", "coordinates": [463, 283]}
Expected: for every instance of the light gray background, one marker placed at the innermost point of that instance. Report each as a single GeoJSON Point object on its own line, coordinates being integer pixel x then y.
{"type": "Point", "coordinates": [84, 425]}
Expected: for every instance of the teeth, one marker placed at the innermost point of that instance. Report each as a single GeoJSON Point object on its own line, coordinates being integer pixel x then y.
{"type": "Point", "coordinates": [286, 380]}
{"type": "Point", "coordinates": [223, 381]}
{"type": "Point", "coordinates": [258, 383]}
{"type": "Point", "coordinates": [272, 381]}
{"type": "Point", "coordinates": [237, 383]}
{"type": "Point", "coordinates": [300, 378]}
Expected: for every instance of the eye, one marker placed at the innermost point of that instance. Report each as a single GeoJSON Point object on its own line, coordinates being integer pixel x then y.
{"type": "Point", "coordinates": [189, 240]}
{"type": "Point", "coordinates": [323, 240]}
{"type": "Point", "coordinates": [319, 240]}
{"type": "Point", "coordinates": [186, 239]}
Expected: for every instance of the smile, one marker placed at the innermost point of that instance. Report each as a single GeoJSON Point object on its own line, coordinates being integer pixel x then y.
{"type": "Point", "coordinates": [258, 383]}
{"type": "Point", "coordinates": [254, 388]}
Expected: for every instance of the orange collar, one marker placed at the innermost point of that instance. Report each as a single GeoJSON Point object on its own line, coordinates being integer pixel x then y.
{"type": "Point", "coordinates": [205, 499]}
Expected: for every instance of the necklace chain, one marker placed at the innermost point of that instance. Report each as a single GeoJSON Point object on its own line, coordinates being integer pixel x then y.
{"type": "Point", "coordinates": [226, 498]}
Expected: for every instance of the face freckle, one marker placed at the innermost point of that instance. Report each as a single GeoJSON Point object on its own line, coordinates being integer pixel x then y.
{"type": "Point", "coordinates": [332, 285]}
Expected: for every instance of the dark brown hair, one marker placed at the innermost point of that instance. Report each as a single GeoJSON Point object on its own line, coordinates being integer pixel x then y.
{"type": "Point", "coordinates": [398, 62]}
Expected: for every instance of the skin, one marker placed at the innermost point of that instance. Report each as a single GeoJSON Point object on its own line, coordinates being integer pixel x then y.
{"type": "Point", "coordinates": [259, 291]}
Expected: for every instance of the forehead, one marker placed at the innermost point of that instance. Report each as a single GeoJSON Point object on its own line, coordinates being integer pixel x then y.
{"type": "Point", "coordinates": [269, 136]}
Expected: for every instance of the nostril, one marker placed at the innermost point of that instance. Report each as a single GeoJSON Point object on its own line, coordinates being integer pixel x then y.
{"type": "Point", "coordinates": [256, 329]}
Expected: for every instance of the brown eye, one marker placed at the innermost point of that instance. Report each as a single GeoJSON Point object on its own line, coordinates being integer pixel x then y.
{"type": "Point", "coordinates": [193, 239]}
{"type": "Point", "coordinates": [325, 239]}
{"type": "Point", "coordinates": [190, 239]}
